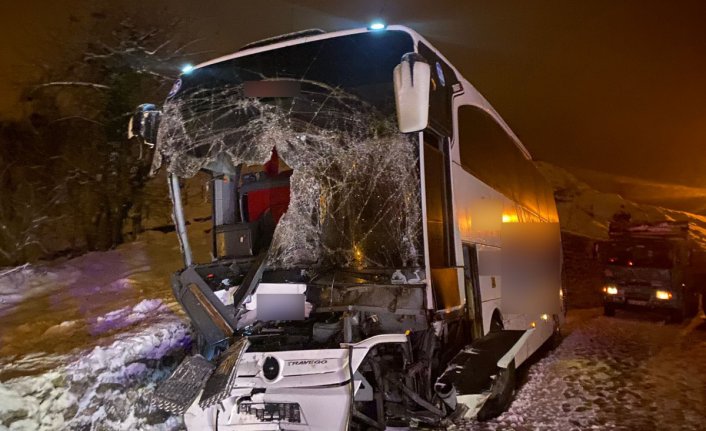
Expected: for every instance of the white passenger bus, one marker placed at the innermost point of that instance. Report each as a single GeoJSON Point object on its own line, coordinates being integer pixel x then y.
{"type": "Point", "coordinates": [384, 250]}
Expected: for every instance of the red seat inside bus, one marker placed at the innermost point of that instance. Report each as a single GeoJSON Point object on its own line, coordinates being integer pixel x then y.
{"type": "Point", "coordinates": [269, 192]}
{"type": "Point", "coordinates": [276, 199]}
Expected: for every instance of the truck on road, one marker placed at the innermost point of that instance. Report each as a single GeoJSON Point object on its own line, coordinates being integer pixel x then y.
{"type": "Point", "coordinates": [655, 266]}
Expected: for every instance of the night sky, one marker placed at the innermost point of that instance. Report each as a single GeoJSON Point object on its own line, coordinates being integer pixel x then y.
{"type": "Point", "coordinates": [614, 87]}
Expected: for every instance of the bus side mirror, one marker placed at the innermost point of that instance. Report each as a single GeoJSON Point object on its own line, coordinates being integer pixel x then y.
{"type": "Point", "coordinates": [412, 79]}
{"type": "Point", "coordinates": [144, 123]}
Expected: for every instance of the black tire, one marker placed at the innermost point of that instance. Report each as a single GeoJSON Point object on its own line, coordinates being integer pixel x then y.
{"type": "Point", "coordinates": [692, 304]}
{"type": "Point", "coordinates": [501, 394]}
{"type": "Point", "coordinates": [609, 310]}
{"type": "Point", "coordinates": [676, 316]}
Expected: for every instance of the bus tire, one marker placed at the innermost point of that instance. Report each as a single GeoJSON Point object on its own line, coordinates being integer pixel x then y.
{"type": "Point", "coordinates": [608, 310]}
{"type": "Point", "coordinates": [501, 393]}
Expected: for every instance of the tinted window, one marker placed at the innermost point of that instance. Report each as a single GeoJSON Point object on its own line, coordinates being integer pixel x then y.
{"type": "Point", "coordinates": [491, 155]}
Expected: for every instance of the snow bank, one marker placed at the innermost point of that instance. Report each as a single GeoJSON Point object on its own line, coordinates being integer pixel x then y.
{"type": "Point", "coordinates": [109, 386]}
{"type": "Point", "coordinates": [126, 316]}
{"type": "Point", "coordinates": [27, 281]}
{"type": "Point", "coordinates": [587, 212]}
{"type": "Point", "coordinates": [80, 345]}
{"type": "Point", "coordinates": [95, 270]}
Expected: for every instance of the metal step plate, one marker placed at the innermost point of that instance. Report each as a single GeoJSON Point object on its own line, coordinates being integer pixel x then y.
{"type": "Point", "coordinates": [179, 391]}
{"type": "Point", "coordinates": [221, 382]}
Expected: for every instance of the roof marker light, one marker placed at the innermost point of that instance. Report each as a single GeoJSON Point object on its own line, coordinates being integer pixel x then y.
{"type": "Point", "coordinates": [377, 25]}
{"type": "Point", "coordinates": [186, 69]}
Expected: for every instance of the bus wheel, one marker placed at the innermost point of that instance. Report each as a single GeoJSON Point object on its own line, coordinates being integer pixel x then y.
{"type": "Point", "coordinates": [501, 392]}
{"type": "Point", "coordinates": [609, 310]}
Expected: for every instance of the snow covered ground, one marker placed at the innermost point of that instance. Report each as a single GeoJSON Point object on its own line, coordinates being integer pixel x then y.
{"type": "Point", "coordinates": [83, 341]}
{"type": "Point", "coordinates": [629, 372]}
{"type": "Point", "coordinates": [105, 388]}
{"type": "Point", "coordinates": [97, 368]}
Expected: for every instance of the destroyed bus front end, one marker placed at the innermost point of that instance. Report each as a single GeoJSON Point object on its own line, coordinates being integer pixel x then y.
{"type": "Point", "coordinates": [317, 237]}
{"type": "Point", "coordinates": [322, 307]}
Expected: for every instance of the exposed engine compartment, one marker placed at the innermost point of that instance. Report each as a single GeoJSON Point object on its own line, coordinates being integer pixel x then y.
{"type": "Point", "coordinates": [340, 306]}
{"type": "Point", "coordinates": [317, 332]}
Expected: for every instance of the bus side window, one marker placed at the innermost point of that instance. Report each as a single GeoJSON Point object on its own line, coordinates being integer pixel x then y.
{"type": "Point", "coordinates": [490, 154]}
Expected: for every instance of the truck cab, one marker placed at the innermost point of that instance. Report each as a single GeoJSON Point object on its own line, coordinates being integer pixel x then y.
{"type": "Point", "coordinates": [649, 266]}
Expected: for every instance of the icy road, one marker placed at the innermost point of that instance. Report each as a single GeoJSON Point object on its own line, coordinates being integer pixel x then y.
{"type": "Point", "coordinates": [83, 341]}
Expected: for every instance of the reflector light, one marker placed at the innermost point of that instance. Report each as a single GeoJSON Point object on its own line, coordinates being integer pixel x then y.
{"type": "Point", "coordinates": [377, 25]}
{"type": "Point", "coordinates": [186, 69]}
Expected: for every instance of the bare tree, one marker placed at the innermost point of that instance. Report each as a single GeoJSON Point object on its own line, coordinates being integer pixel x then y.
{"type": "Point", "coordinates": [71, 177]}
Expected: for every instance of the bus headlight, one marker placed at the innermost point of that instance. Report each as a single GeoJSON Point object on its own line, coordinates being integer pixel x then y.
{"type": "Point", "coordinates": [610, 289]}
{"type": "Point", "coordinates": [663, 294]}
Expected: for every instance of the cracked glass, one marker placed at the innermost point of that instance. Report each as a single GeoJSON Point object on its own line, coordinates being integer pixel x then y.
{"type": "Point", "coordinates": [354, 189]}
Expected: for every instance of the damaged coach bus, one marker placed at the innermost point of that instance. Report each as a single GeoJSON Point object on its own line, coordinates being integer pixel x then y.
{"type": "Point", "coordinates": [384, 251]}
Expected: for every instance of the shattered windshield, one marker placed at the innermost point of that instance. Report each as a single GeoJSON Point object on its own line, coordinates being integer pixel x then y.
{"type": "Point", "coordinates": [353, 189]}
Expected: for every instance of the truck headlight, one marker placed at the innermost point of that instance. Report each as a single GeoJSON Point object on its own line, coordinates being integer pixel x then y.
{"type": "Point", "coordinates": [663, 294]}
{"type": "Point", "coordinates": [610, 289]}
